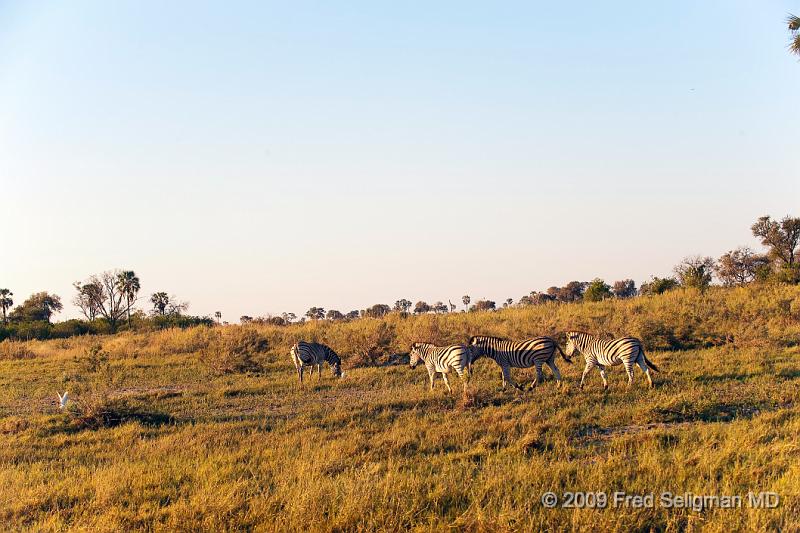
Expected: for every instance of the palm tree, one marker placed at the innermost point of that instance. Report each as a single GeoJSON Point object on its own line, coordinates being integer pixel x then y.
{"type": "Point", "coordinates": [6, 302]}
{"type": "Point", "coordinates": [466, 300]}
{"type": "Point", "coordinates": [218, 316]}
{"type": "Point", "coordinates": [128, 284]}
{"type": "Point", "coordinates": [794, 29]}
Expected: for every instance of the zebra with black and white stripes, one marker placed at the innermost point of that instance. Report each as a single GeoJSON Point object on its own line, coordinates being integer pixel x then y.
{"type": "Point", "coordinates": [442, 359]}
{"type": "Point", "coordinates": [313, 353]}
{"type": "Point", "coordinates": [601, 353]}
{"type": "Point", "coordinates": [510, 354]}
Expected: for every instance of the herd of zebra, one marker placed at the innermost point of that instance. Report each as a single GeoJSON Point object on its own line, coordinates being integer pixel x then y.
{"type": "Point", "coordinates": [508, 354]}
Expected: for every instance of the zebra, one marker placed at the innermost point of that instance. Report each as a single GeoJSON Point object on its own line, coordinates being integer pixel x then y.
{"type": "Point", "coordinates": [442, 359]}
{"type": "Point", "coordinates": [522, 354]}
{"type": "Point", "coordinates": [312, 353]}
{"type": "Point", "coordinates": [601, 353]}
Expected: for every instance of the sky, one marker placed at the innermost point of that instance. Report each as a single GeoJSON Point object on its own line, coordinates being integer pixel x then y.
{"type": "Point", "coordinates": [260, 157]}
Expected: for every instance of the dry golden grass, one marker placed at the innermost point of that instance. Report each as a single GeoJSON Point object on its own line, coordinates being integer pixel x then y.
{"type": "Point", "coordinates": [200, 450]}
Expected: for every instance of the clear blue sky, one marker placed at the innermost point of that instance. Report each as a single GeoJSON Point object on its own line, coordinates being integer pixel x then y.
{"type": "Point", "coordinates": [259, 157]}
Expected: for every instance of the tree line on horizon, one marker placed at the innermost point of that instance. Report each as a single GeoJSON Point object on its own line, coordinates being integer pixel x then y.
{"type": "Point", "coordinates": [107, 300]}
{"type": "Point", "coordinates": [736, 267]}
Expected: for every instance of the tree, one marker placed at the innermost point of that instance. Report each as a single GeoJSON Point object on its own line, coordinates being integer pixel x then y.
{"type": "Point", "coordinates": [86, 300]}
{"type": "Point", "coordinates": [402, 305]}
{"type": "Point", "coordinates": [160, 301]}
{"type": "Point", "coordinates": [483, 305]}
{"type": "Point", "coordinates": [508, 302]}
{"type": "Point", "coordinates": [218, 316]}
{"type": "Point", "coordinates": [597, 290]}
{"type": "Point", "coordinates": [695, 271]}
{"type": "Point", "coordinates": [439, 307]}
{"type": "Point", "coordinates": [289, 317]}
{"type": "Point", "coordinates": [466, 300]}
{"type": "Point", "coordinates": [244, 319]}
{"type": "Point", "coordinates": [781, 238]}
{"type": "Point", "coordinates": [316, 313]}
{"type": "Point", "coordinates": [421, 307]}
{"type": "Point", "coordinates": [658, 285]}
{"type": "Point", "coordinates": [740, 266]}
{"type": "Point", "coordinates": [571, 292]}
{"type": "Point", "coordinates": [794, 31]}
{"type": "Point", "coordinates": [164, 304]}
{"type": "Point", "coordinates": [377, 311]}
{"type": "Point", "coordinates": [535, 298]}
{"type": "Point", "coordinates": [38, 307]}
{"type": "Point", "coordinates": [6, 302]}
{"type": "Point", "coordinates": [625, 288]}
{"type": "Point", "coordinates": [128, 283]}
{"type": "Point", "coordinates": [104, 298]}
{"type": "Point", "coordinates": [352, 315]}
{"type": "Point", "coordinates": [333, 314]}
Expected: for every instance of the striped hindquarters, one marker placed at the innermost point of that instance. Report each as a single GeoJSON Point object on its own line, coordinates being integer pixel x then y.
{"type": "Point", "coordinates": [624, 350]}
{"type": "Point", "coordinates": [314, 353]}
{"type": "Point", "coordinates": [441, 358]}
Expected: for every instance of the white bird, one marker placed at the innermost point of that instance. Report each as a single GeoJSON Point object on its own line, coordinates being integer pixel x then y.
{"type": "Point", "coordinates": [62, 399]}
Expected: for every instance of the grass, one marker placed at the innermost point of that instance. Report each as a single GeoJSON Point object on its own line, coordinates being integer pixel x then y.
{"type": "Point", "coordinates": [197, 449]}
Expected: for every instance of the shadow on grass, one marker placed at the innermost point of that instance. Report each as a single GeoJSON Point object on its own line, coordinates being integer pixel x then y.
{"type": "Point", "coordinates": [721, 412]}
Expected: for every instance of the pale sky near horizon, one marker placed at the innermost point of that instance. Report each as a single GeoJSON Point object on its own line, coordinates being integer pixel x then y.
{"type": "Point", "coordinates": [260, 157]}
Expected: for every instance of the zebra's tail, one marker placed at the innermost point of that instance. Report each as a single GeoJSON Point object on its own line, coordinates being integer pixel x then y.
{"type": "Point", "coordinates": [567, 359]}
{"type": "Point", "coordinates": [649, 362]}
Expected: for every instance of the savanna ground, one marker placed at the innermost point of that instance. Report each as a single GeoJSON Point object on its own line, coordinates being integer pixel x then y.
{"type": "Point", "coordinates": [192, 447]}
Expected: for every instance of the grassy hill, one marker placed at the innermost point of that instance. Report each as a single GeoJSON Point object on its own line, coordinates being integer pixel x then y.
{"type": "Point", "coordinates": [208, 428]}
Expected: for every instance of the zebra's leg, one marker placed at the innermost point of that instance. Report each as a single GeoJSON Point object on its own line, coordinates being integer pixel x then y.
{"type": "Point", "coordinates": [319, 371]}
{"type": "Point", "coordinates": [300, 372]}
{"type": "Point", "coordinates": [646, 370]}
{"type": "Point", "coordinates": [556, 373]}
{"type": "Point", "coordinates": [629, 371]}
{"type": "Point", "coordinates": [431, 376]}
{"type": "Point", "coordinates": [589, 366]}
{"type": "Point", "coordinates": [539, 375]}
{"type": "Point", "coordinates": [447, 383]}
{"type": "Point", "coordinates": [603, 375]}
{"type": "Point", "coordinates": [507, 378]}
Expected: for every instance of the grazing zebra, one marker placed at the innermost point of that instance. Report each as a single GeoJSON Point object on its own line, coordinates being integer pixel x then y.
{"type": "Point", "coordinates": [523, 354]}
{"type": "Point", "coordinates": [601, 353]}
{"type": "Point", "coordinates": [442, 359]}
{"type": "Point", "coordinates": [312, 353]}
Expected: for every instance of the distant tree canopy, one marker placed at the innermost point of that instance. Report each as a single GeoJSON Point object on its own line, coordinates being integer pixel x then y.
{"type": "Point", "coordinates": [536, 298]}
{"type": "Point", "coordinates": [333, 314]}
{"type": "Point", "coordinates": [377, 311]}
{"type": "Point", "coordinates": [439, 307]}
{"type": "Point", "coordinates": [316, 313]}
{"type": "Point", "coordinates": [39, 307]}
{"type": "Point", "coordinates": [6, 301]}
{"type": "Point", "coordinates": [483, 305]}
{"type": "Point", "coordinates": [658, 285]}
{"type": "Point", "coordinates": [625, 288]}
{"type": "Point", "coordinates": [781, 238]}
{"type": "Point", "coordinates": [421, 307]}
{"type": "Point", "coordinates": [597, 290]}
{"type": "Point", "coordinates": [695, 272]}
{"type": "Point", "coordinates": [794, 34]}
{"type": "Point", "coordinates": [741, 266]}
{"type": "Point", "coordinates": [466, 300]}
{"type": "Point", "coordinates": [166, 305]}
{"type": "Point", "coordinates": [110, 295]}
{"type": "Point", "coordinates": [402, 305]}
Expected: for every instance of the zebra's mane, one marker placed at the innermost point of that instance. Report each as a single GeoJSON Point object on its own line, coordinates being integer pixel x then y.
{"type": "Point", "coordinates": [491, 337]}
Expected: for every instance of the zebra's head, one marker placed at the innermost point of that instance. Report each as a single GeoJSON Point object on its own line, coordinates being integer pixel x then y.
{"type": "Point", "coordinates": [415, 355]}
{"type": "Point", "coordinates": [336, 364]}
{"type": "Point", "coordinates": [476, 345]}
{"type": "Point", "coordinates": [571, 346]}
